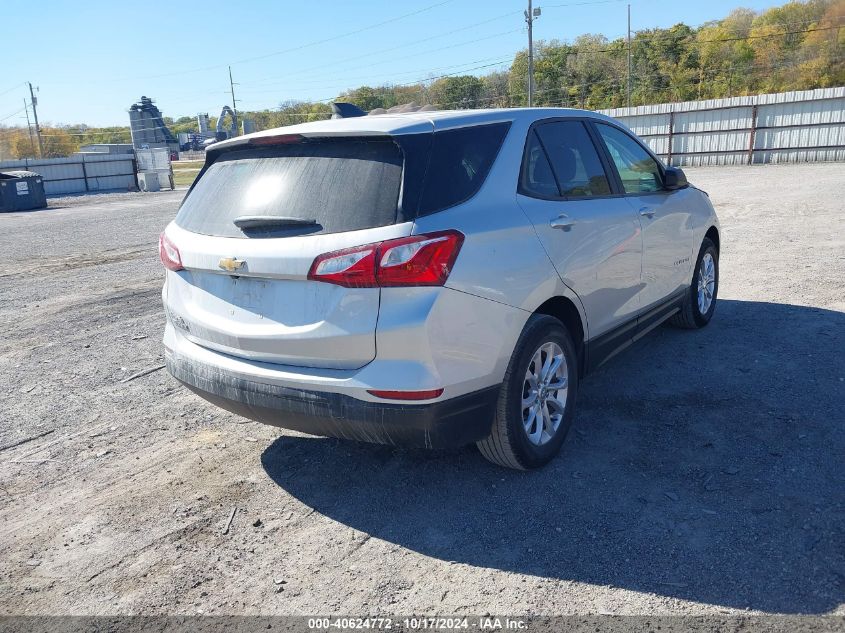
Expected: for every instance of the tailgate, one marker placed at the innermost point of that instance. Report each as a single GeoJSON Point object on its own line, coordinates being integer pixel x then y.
{"type": "Point", "coordinates": [269, 311]}
{"type": "Point", "coordinates": [249, 231]}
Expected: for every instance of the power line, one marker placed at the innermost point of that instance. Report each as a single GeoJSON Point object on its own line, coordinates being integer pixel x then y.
{"type": "Point", "coordinates": [415, 83]}
{"type": "Point", "coordinates": [289, 50]}
{"type": "Point", "coordinates": [613, 82]}
{"type": "Point", "coordinates": [474, 25]}
{"type": "Point", "coordinates": [413, 55]}
{"type": "Point", "coordinates": [620, 50]}
{"type": "Point", "coordinates": [579, 4]}
{"type": "Point", "coordinates": [575, 49]}
{"type": "Point", "coordinates": [446, 48]}
{"type": "Point", "coordinates": [641, 82]}
{"type": "Point", "coordinates": [419, 72]}
{"type": "Point", "coordinates": [682, 40]}
{"type": "Point", "coordinates": [337, 37]}
{"type": "Point", "coordinates": [9, 116]}
{"type": "Point", "coordinates": [15, 87]}
{"type": "Point", "coordinates": [464, 68]}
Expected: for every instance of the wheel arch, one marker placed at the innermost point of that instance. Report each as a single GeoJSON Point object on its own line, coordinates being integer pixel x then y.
{"type": "Point", "coordinates": [713, 234]}
{"type": "Point", "coordinates": [565, 310]}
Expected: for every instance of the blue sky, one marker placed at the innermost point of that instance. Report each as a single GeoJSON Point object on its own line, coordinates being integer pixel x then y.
{"type": "Point", "coordinates": [92, 59]}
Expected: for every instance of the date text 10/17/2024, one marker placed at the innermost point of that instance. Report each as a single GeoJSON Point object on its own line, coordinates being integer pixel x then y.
{"type": "Point", "coordinates": [483, 623]}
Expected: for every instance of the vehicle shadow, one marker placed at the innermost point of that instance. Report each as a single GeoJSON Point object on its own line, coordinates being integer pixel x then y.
{"type": "Point", "coordinates": [702, 465]}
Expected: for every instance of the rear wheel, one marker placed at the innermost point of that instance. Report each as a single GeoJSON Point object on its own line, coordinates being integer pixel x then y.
{"type": "Point", "coordinates": [537, 398]}
{"type": "Point", "coordinates": [700, 300]}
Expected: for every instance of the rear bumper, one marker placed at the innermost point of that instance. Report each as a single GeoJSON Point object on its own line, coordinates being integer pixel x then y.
{"type": "Point", "coordinates": [443, 424]}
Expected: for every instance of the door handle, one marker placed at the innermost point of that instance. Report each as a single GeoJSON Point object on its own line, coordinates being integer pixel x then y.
{"type": "Point", "coordinates": [563, 222]}
{"type": "Point", "coordinates": [647, 212]}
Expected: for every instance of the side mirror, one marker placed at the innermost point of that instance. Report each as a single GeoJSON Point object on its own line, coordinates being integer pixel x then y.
{"type": "Point", "coordinates": [674, 178]}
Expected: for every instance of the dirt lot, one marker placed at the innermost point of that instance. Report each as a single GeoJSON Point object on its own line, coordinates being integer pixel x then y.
{"type": "Point", "coordinates": [704, 473]}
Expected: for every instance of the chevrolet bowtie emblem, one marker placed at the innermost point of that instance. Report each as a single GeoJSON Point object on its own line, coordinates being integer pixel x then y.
{"type": "Point", "coordinates": [231, 263]}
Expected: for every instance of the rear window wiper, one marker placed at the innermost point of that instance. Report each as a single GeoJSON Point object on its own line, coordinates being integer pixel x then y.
{"type": "Point", "coordinates": [262, 221]}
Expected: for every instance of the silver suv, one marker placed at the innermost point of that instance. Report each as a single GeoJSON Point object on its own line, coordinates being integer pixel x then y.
{"type": "Point", "coordinates": [430, 278]}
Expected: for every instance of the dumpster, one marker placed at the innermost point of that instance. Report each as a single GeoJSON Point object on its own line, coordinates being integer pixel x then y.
{"type": "Point", "coordinates": [21, 191]}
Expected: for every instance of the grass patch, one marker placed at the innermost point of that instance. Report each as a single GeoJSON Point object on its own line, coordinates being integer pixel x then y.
{"type": "Point", "coordinates": [185, 177]}
{"type": "Point", "coordinates": [185, 171]}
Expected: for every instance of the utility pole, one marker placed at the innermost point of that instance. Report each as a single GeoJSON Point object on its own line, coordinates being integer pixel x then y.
{"type": "Point", "coordinates": [234, 102]}
{"type": "Point", "coordinates": [34, 103]}
{"type": "Point", "coordinates": [29, 127]}
{"type": "Point", "coordinates": [530, 15]}
{"type": "Point", "coordinates": [629, 56]}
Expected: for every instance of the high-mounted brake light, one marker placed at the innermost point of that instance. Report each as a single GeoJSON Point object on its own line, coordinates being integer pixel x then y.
{"type": "Point", "coordinates": [419, 260]}
{"type": "Point", "coordinates": [169, 254]}
{"type": "Point", "coordinates": [277, 139]}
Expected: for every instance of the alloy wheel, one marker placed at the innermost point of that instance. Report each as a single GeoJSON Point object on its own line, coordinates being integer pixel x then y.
{"type": "Point", "coordinates": [544, 393]}
{"type": "Point", "coordinates": [706, 283]}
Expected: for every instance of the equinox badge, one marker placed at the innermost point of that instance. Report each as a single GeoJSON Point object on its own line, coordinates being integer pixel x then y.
{"type": "Point", "coordinates": [231, 263]}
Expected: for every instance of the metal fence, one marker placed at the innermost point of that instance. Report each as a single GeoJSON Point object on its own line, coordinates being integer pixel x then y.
{"type": "Point", "coordinates": [81, 173]}
{"type": "Point", "coordinates": [788, 127]}
{"type": "Point", "coordinates": [192, 155]}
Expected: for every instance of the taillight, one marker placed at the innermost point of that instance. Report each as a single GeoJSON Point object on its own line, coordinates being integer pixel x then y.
{"type": "Point", "coordinates": [169, 254]}
{"type": "Point", "coordinates": [419, 260]}
{"type": "Point", "coordinates": [351, 267]}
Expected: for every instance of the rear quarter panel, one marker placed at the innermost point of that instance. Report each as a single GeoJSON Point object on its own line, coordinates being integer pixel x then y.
{"type": "Point", "coordinates": [502, 271]}
{"type": "Point", "coordinates": [502, 259]}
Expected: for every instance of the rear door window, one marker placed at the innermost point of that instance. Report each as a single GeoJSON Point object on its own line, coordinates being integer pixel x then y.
{"type": "Point", "coordinates": [459, 163]}
{"type": "Point", "coordinates": [574, 159]}
{"type": "Point", "coordinates": [537, 177]}
{"type": "Point", "coordinates": [343, 185]}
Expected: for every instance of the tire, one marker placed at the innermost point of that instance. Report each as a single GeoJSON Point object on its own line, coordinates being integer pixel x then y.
{"type": "Point", "coordinates": [691, 317]}
{"type": "Point", "coordinates": [510, 443]}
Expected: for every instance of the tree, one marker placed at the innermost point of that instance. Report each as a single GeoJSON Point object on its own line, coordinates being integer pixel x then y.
{"type": "Point", "coordinates": [494, 90]}
{"type": "Point", "coordinates": [821, 61]}
{"type": "Point", "coordinates": [456, 93]}
{"type": "Point", "coordinates": [58, 142]}
{"type": "Point", "coordinates": [23, 146]}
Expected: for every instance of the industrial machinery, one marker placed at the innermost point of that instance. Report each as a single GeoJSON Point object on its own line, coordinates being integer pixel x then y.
{"type": "Point", "coordinates": [221, 134]}
{"type": "Point", "coordinates": [147, 127]}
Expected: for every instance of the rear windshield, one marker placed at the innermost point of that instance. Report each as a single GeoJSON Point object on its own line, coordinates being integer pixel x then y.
{"type": "Point", "coordinates": [343, 185]}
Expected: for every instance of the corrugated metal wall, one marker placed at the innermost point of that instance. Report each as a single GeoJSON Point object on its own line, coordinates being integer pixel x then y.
{"type": "Point", "coordinates": [801, 126]}
{"type": "Point", "coordinates": [158, 160]}
{"type": "Point", "coordinates": [81, 172]}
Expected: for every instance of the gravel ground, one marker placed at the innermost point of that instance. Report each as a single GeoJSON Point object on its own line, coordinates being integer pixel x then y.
{"type": "Point", "coordinates": [704, 473]}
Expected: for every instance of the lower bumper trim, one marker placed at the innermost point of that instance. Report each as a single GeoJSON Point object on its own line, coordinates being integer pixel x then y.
{"type": "Point", "coordinates": [447, 424]}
